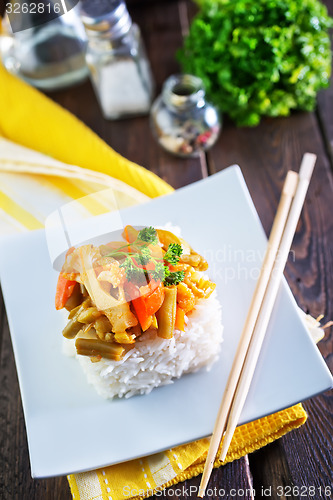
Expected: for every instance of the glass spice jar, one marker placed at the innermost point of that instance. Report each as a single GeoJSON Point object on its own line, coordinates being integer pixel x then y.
{"type": "Point", "coordinates": [117, 60]}
{"type": "Point", "coordinates": [182, 121]}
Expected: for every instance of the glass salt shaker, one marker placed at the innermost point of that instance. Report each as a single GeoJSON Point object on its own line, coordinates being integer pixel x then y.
{"type": "Point", "coordinates": [119, 67]}
{"type": "Point", "coordinates": [182, 121]}
{"type": "Point", "coordinates": [49, 54]}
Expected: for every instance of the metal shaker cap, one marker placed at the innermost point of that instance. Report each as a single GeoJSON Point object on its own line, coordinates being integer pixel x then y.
{"type": "Point", "coordinates": [105, 17]}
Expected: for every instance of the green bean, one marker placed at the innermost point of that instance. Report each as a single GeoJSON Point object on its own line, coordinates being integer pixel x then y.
{"type": "Point", "coordinates": [75, 299]}
{"type": "Point", "coordinates": [86, 303]}
{"type": "Point", "coordinates": [166, 315]}
{"type": "Point", "coordinates": [89, 315]}
{"type": "Point", "coordinates": [77, 310]}
{"type": "Point", "coordinates": [74, 311]}
{"type": "Point", "coordinates": [74, 326]}
{"type": "Point", "coordinates": [103, 325]}
{"type": "Point", "coordinates": [88, 344]}
{"type": "Point", "coordinates": [72, 329]}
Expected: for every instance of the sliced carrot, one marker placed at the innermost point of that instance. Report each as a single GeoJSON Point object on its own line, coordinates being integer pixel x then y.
{"type": "Point", "coordinates": [65, 288]}
{"type": "Point", "coordinates": [180, 319]}
{"type": "Point", "coordinates": [146, 305]}
{"type": "Point", "coordinates": [145, 319]}
{"type": "Point", "coordinates": [130, 234]}
{"type": "Point", "coordinates": [154, 300]}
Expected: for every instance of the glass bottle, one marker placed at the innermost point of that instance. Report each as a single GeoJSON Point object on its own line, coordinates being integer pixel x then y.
{"type": "Point", "coordinates": [47, 54]}
{"type": "Point", "coordinates": [182, 121]}
{"type": "Point", "coordinates": [119, 67]}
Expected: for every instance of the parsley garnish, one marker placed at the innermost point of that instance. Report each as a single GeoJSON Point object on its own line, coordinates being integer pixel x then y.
{"type": "Point", "coordinates": [149, 235]}
{"type": "Point", "coordinates": [173, 253]}
{"type": "Point", "coordinates": [140, 256]}
{"type": "Point", "coordinates": [174, 278]}
{"type": "Point", "coordinates": [133, 272]}
{"type": "Point", "coordinates": [158, 274]}
{"type": "Point", "coordinates": [143, 256]}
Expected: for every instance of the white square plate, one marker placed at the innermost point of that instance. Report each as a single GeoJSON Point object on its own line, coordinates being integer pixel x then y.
{"type": "Point", "coordinates": [70, 428]}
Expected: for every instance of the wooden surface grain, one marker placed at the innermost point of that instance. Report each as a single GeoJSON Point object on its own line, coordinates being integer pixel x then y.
{"type": "Point", "coordinates": [302, 459]}
{"type": "Point", "coordinates": [161, 27]}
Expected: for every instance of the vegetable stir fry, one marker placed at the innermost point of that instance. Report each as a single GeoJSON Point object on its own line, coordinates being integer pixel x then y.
{"type": "Point", "coordinates": [116, 292]}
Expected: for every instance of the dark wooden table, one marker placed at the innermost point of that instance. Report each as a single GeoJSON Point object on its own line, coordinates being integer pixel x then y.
{"type": "Point", "coordinates": [302, 458]}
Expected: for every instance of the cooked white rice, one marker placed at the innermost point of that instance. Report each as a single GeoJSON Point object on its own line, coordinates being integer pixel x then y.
{"type": "Point", "coordinates": [153, 361]}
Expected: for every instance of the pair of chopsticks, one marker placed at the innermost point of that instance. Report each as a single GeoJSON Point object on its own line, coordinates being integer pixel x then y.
{"type": "Point", "coordinates": [248, 350]}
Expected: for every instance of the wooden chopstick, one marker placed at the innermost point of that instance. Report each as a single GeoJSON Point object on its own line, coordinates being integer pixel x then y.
{"type": "Point", "coordinates": [288, 192]}
{"type": "Point", "coordinates": [268, 301]}
{"type": "Point", "coordinates": [294, 185]}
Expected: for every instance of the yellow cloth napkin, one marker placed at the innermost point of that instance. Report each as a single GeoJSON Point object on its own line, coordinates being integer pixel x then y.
{"type": "Point", "coordinates": [29, 118]}
{"type": "Point", "coordinates": [143, 477]}
{"type": "Point", "coordinates": [32, 185]}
